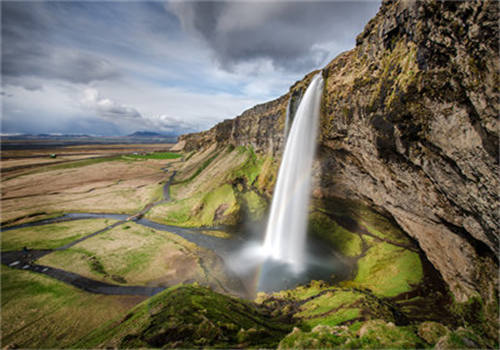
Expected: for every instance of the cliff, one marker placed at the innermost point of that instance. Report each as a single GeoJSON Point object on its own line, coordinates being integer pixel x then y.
{"type": "Point", "coordinates": [409, 127]}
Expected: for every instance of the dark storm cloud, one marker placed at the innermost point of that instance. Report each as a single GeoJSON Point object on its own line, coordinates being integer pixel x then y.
{"type": "Point", "coordinates": [290, 34]}
{"type": "Point", "coordinates": [30, 34]}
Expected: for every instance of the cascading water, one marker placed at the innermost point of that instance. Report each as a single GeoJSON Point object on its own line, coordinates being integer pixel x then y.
{"type": "Point", "coordinates": [286, 228]}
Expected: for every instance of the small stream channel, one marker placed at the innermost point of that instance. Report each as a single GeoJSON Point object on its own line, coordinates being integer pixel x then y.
{"type": "Point", "coordinates": [255, 274]}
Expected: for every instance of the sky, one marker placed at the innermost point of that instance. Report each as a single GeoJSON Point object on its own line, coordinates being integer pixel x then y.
{"type": "Point", "coordinates": [115, 67]}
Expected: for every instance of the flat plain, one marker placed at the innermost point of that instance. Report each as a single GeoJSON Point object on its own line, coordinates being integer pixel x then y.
{"type": "Point", "coordinates": [39, 311]}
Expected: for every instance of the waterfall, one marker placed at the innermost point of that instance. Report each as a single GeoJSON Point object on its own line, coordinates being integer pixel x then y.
{"type": "Point", "coordinates": [286, 228]}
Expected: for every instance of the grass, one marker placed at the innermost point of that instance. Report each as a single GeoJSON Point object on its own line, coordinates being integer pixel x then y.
{"type": "Point", "coordinates": [250, 169]}
{"type": "Point", "coordinates": [199, 169]}
{"type": "Point", "coordinates": [134, 255]}
{"type": "Point", "coordinates": [39, 312]}
{"type": "Point", "coordinates": [123, 187]}
{"type": "Point", "coordinates": [345, 242]}
{"type": "Point", "coordinates": [189, 317]}
{"type": "Point", "coordinates": [376, 334]}
{"type": "Point", "coordinates": [328, 302]}
{"type": "Point", "coordinates": [388, 270]}
{"type": "Point", "coordinates": [52, 235]}
{"type": "Point", "coordinates": [155, 155]}
{"type": "Point", "coordinates": [219, 202]}
{"type": "Point", "coordinates": [338, 317]}
{"type": "Point", "coordinates": [219, 206]}
{"type": "Point", "coordinates": [76, 164]}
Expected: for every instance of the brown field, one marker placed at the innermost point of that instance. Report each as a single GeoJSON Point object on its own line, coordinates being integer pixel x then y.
{"type": "Point", "coordinates": [38, 189]}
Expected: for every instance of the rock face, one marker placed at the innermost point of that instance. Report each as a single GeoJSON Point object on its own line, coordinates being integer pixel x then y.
{"type": "Point", "coordinates": [409, 126]}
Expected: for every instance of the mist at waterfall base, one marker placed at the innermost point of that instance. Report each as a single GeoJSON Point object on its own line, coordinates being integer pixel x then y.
{"type": "Point", "coordinates": [284, 260]}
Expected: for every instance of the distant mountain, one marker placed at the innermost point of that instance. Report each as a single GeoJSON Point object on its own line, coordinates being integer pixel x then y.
{"type": "Point", "coordinates": [150, 134]}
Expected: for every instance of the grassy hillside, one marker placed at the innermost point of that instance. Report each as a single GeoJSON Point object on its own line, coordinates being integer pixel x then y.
{"type": "Point", "coordinates": [190, 317]}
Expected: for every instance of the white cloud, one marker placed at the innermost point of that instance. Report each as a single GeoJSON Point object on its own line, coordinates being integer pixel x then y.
{"type": "Point", "coordinates": [106, 107]}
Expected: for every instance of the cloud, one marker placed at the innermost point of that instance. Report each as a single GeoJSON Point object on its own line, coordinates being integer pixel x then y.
{"type": "Point", "coordinates": [114, 67]}
{"type": "Point", "coordinates": [30, 48]}
{"type": "Point", "coordinates": [106, 107]}
{"type": "Point", "coordinates": [287, 33]}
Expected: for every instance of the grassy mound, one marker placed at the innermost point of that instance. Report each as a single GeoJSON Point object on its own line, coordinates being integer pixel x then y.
{"type": "Point", "coordinates": [132, 254]}
{"type": "Point", "coordinates": [190, 317]}
{"type": "Point", "coordinates": [40, 312]}
{"type": "Point", "coordinates": [218, 186]}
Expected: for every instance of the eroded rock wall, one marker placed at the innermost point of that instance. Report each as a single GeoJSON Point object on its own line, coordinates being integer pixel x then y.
{"type": "Point", "coordinates": [409, 126]}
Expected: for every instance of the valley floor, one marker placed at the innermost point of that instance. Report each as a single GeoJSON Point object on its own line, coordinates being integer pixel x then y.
{"type": "Point", "coordinates": [133, 249]}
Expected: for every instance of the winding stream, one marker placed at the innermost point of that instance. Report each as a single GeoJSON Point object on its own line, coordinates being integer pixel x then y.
{"type": "Point", "coordinates": [263, 276]}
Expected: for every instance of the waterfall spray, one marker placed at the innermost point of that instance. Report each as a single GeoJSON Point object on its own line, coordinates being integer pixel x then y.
{"type": "Point", "coordinates": [287, 225]}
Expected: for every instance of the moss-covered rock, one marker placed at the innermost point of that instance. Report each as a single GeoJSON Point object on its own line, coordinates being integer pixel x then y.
{"type": "Point", "coordinates": [432, 331]}
{"type": "Point", "coordinates": [190, 317]}
{"type": "Point", "coordinates": [389, 270]}
{"type": "Point", "coordinates": [462, 339]}
{"type": "Point", "coordinates": [345, 242]}
{"type": "Point", "coordinates": [376, 334]}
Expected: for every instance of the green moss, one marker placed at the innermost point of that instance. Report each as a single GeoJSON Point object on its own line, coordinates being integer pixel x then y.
{"type": "Point", "coordinates": [381, 334]}
{"type": "Point", "coordinates": [255, 204]}
{"type": "Point", "coordinates": [304, 291]}
{"type": "Point", "coordinates": [464, 338]}
{"type": "Point", "coordinates": [328, 302]}
{"type": "Point", "coordinates": [347, 243]}
{"type": "Point", "coordinates": [388, 270]}
{"type": "Point", "coordinates": [341, 316]}
{"type": "Point", "coordinates": [218, 206]}
{"type": "Point", "coordinates": [366, 217]}
{"type": "Point", "coordinates": [250, 169]}
{"type": "Point", "coordinates": [375, 334]}
{"type": "Point", "coordinates": [187, 317]}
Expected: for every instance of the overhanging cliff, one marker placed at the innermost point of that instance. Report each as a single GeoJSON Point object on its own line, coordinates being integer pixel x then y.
{"type": "Point", "coordinates": [409, 126]}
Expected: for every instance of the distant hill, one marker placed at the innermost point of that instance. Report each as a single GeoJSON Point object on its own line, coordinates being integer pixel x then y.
{"type": "Point", "coordinates": [150, 134]}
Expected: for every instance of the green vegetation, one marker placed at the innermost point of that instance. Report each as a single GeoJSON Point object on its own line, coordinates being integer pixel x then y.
{"type": "Point", "coordinates": [250, 169]}
{"type": "Point", "coordinates": [388, 270]}
{"type": "Point", "coordinates": [52, 235]}
{"type": "Point", "coordinates": [376, 334]}
{"type": "Point", "coordinates": [431, 331]}
{"type": "Point", "coordinates": [76, 164]}
{"type": "Point", "coordinates": [40, 312]}
{"type": "Point", "coordinates": [218, 206]}
{"type": "Point", "coordinates": [256, 206]}
{"type": "Point", "coordinates": [218, 195]}
{"type": "Point", "coordinates": [131, 254]}
{"type": "Point", "coordinates": [365, 217]}
{"type": "Point", "coordinates": [155, 155]}
{"type": "Point", "coordinates": [188, 317]}
{"type": "Point", "coordinates": [345, 242]}
{"type": "Point", "coordinates": [199, 169]}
